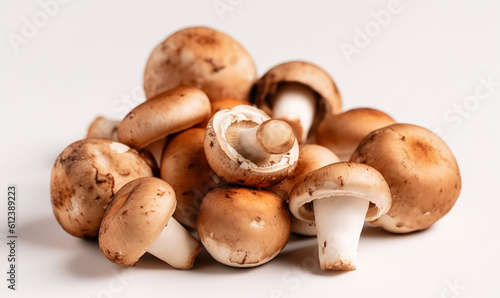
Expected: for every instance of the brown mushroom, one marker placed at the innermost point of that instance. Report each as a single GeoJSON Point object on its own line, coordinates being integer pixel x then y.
{"type": "Point", "coordinates": [200, 57]}
{"type": "Point", "coordinates": [103, 128]}
{"type": "Point", "coordinates": [85, 177]}
{"type": "Point", "coordinates": [223, 104]}
{"type": "Point", "coordinates": [298, 92]}
{"type": "Point", "coordinates": [421, 170]}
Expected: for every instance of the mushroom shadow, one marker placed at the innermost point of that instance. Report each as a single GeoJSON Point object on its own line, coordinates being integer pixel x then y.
{"type": "Point", "coordinates": [46, 232]}
{"type": "Point", "coordinates": [89, 262]}
{"type": "Point", "coordinates": [377, 232]}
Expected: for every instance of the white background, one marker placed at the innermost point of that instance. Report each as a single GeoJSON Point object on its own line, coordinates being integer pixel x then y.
{"type": "Point", "coordinates": [88, 57]}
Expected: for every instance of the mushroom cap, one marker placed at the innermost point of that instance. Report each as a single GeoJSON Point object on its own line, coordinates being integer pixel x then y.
{"type": "Point", "coordinates": [231, 166]}
{"type": "Point", "coordinates": [342, 132]}
{"type": "Point", "coordinates": [200, 57]}
{"type": "Point", "coordinates": [185, 167]}
{"type": "Point", "coordinates": [166, 113]}
{"type": "Point", "coordinates": [223, 104]}
{"type": "Point", "coordinates": [84, 178]}
{"type": "Point", "coordinates": [243, 227]}
{"type": "Point", "coordinates": [308, 74]}
{"type": "Point", "coordinates": [341, 179]}
{"type": "Point", "coordinates": [311, 157]}
{"type": "Point", "coordinates": [136, 216]}
{"type": "Point", "coordinates": [103, 128]}
{"type": "Point", "coordinates": [421, 171]}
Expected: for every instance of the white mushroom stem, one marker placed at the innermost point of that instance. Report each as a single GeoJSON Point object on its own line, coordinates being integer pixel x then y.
{"type": "Point", "coordinates": [175, 246]}
{"type": "Point", "coordinates": [296, 104]}
{"type": "Point", "coordinates": [339, 221]}
{"type": "Point", "coordinates": [259, 142]}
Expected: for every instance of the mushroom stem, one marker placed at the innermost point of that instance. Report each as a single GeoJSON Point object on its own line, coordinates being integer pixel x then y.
{"type": "Point", "coordinates": [339, 221]}
{"type": "Point", "coordinates": [176, 246]}
{"type": "Point", "coordinates": [296, 104]}
{"type": "Point", "coordinates": [259, 142]}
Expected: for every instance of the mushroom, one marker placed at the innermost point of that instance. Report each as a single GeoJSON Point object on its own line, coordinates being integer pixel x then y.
{"type": "Point", "coordinates": [169, 112]}
{"type": "Point", "coordinates": [298, 92]}
{"type": "Point", "coordinates": [103, 128]}
{"type": "Point", "coordinates": [185, 167]}
{"type": "Point", "coordinates": [342, 132]}
{"type": "Point", "coordinates": [242, 227]}
{"type": "Point", "coordinates": [420, 169]}
{"type": "Point", "coordinates": [339, 198]}
{"type": "Point", "coordinates": [139, 220]}
{"type": "Point", "coordinates": [200, 57]}
{"type": "Point", "coordinates": [84, 178]}
{"type": "Point", "coordinates": [244, 146]}
{"type": "Point", "coordinates": [311, 157]}
{"type": "Point", "coordinates": [222, 104]}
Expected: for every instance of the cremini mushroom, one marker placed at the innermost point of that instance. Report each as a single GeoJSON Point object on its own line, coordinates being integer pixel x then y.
{"type": "Point", "coordinates": [168, 112]}
{"type": "Point", "coordinates": [103, 128]}
{"type": "Point", "coordinates": [421, 170]}
{"type": "Point", "coordinates": [242, 227]}
{"type": "Point", "coordinates": [200, 57]}
{"type": "Point", "coordinates": [311, 157]}
{"type": "Point", "coordinates": [185, 167]}
{"type": "Point", "coordinates": [138, 220]}
{"type": "Point", "coordinates": [342, 132]}
{"type": "Point", "coordinates": [298, 92]}
{"type": "Point", "coordinates": [223, 104]}
{"type": "Point", "coordinates": [244, 146]}
{"type": "Point", "coordinates": [84, 178]}
{"type": "Point", "coordinates": [339, 198]}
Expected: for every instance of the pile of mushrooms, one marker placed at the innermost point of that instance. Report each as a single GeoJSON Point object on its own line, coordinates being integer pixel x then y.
{"type": "Point", "coordinates": [219, 159]}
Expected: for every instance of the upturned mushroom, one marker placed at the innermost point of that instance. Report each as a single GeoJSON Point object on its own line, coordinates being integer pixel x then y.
{"type": "Point", "coordinates": [84, 178]}
{"type": "Point", "coordinates": [242, 227]}
{"type": "Point", "coordinates": [339, 198]}
{"type": "Point", "coordinates": [103, 128]}
{"type": "Point", "coordinates": [342, 132]}
{"type": "Point", "coordinates": [298, 92]}
{"type": "Point", "coordinates": [421, 170]}
{"type": "Point", "coordinates": [139, 220]}
{"type": "Point", "coordinates": [244, 146]}
{"type": "Point", "coordinates": [169, 112]}
{"type": "Point", "coordinates": [311, 157]}
{"type": "Point", "coordinates": [200, 57]}
{"type": "Point", "coordinates": [185, 167]}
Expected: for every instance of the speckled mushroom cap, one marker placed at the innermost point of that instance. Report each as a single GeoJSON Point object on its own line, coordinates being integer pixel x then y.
{"type": "Point", "coordinates": [200, 57]}
{"type": "Point", "coordinates": [243, 227]}
{"type": "Point", "coordinates": [311, 157]}
{"type": "Point", "coordinates": [135, 218]}
{"type": "Point", "coordinates": [185, 167]}
{"type": "Point", "coordinates": [231, 166]}
{"type": "Point", "coordinates": [342, 132]}
{"type": "Point", "coordinates": [166, 113]}
{"type": "Point", "coordinates": [329, 100]}
{"type": "Point", "coordinates": [84, 178]}
{"type": "Point", "coordinates": [421, 171]}
{"type": "Point", "coordinates": [341, 179]}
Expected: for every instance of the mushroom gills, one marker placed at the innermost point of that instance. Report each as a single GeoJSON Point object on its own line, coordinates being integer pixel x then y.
{"type": "Point", "coordinates": [295, 103]}
{"type": "Point", "coordinates": [175, 246]}
{"type": "Point", "coordinates": [263, 144]}
{"type": "Point", "coordinates": [339, 221]}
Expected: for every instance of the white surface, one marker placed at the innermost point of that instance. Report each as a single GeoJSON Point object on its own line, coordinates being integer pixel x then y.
{"type": "Point", "coordinates": [89, 58]}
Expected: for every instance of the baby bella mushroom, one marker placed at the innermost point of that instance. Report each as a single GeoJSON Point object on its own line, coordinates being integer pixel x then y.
{"type": "Point", "coordinates": [244, 146]}
{"type": "Point", "coordinates": [339, 198]}
{"type": "Point", "coordinates": [200, 57]}
{"type": "Point", "coordinates": [185, 167]}
{"type": "Point", "coordinates": [298, 92]}
{"type": "Point", "coordinates": [84, 178]}
{"type": "Point", "coordinates": [242, 227]}
{"type": "Point", "coordinates": [342, 132]}
{"type": "Point", "coordinates": [311, 157]}
{"type": "Point", "coordinates": [420, 169]}
{"type": "Point", "coordinates": [139, 220]}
